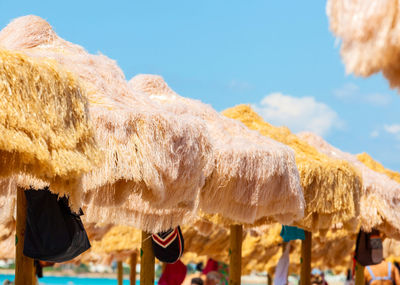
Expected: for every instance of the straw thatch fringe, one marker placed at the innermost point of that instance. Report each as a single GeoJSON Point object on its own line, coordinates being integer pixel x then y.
{"type": "Point", "coordinates": [7, 243]}
{"type": "Point", "coordinates": [137, 213]}
{"type": "Point", "coordinates": [369, 33]}
{"type": "Point", "coordinates": [376, 166]}
{"type": "Point", "coordinates": [331, 187]}
{"type": "Point", "coordinates": [391, 250]}
{"type": "Point", "coordinates": [261, 253]}
{"type": "Point", "coordinates": [44, 123]}
{"type": "Point", "coordinates": [117, 239]}
{"type": "Point", "coordinates": [7, 218]}
{"type": "Point", "coordinates": [380, 200]}
{"type": "Point", "coordinates": [253, 178]}
{"type": "Point", "coordinates": [7, 200]}
{"type": "Point", "coordinates": [149, 158]}
{"type": "Point", "coordinates": [149, 153]}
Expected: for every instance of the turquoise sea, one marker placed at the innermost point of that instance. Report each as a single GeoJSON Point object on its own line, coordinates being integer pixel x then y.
{"type": "Point", "coordinates": [70, 280]}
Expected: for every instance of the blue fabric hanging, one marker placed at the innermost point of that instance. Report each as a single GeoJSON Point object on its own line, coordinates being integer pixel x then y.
{"type": "Point", "coordinates": [289, 233]}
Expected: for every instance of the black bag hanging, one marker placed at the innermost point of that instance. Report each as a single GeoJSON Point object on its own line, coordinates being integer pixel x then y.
{"type": "Point", "coordinates": [53, 232]}
{"type": "Point", "coordinates": [168, 246]}
{"type": "Point", "coordinates": [369, 248]}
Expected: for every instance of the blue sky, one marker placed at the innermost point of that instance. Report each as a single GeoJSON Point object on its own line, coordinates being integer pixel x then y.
{"type": "Point", "coordinates": [277, 55]}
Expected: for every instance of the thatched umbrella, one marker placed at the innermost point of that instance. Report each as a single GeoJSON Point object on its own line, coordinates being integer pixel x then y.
{"type": "Point", "coordinates": [155, 161]}
{"type": "Point", "coordinates": [46, 135]}
{"type": "Point", "coordinates": [369, 32]}
{"type": "Point", "coordinates": [251, 173]}
{"type": "Point", "coordinates": [120, 243]}
{"type": "Point", "coordinates": [380, 199]}
{"type": "Point", "coordinates": [378, 167]}
{"type": "Point", "coordinates": [262, 250]}
{"type": "Point", "coordinates": [254, 179]}
{"type": "Point", "coordinates": [381, 195]}
{"type": "Point", "coordinates": [391, 250]}
{"type": "Point", "coordinates": [331, 186]}
{"type": "Point", "coordinates": [44, 124]}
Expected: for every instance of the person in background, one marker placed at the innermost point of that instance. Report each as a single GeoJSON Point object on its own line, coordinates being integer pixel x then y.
{"type": "Point", "coordinates": [199, 266]}
{"type": "Point", "coordinates": [384, 273]}
{"type": "Point", "coordinates": [323, 278]}
{"type": "Point", "coordinates": [213, 278]}
{"type": "Point", "coordinates": [197, 281]}
{"type": "Point", "coordinates": [211, 265]}
{"type": "Point", "coordinates": [316, 279]}
{"type": "Point", "coordinates": [349, 278]}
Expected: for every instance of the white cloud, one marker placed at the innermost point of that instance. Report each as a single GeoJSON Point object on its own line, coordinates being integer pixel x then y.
{"type": "Point", "coordinates": [378, 99]}
{"type": "Point", "coordinates": [299, 114]}
{"type": "Point", "coordinates": [239, 85]}
{"type": "Point", "coordinates": [393, 129]}
{"type": "Point", "coordinates": [350, 92]}
{"type": "Point", "coordinates": [347, 91]}
{"type": "Point", "coordinates": [374, 134]}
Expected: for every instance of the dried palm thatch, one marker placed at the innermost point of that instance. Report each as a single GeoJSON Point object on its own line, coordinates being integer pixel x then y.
{"type": "Point", "coordinates": [376, 166]}
{"type": "Point", "coordinates": [256, 250]}
{"type": "Point", "coordinates": [7, 243]}
{"type": "Point", "coordinates": [7, 200]}
{"type": "Point", "coordinates": [214, 245]}
{"type": "Point", "coordinates": [253, 179]}
{"type": "Point", "coordinates": [391, 250]}
{"type": "Point", "coordinates": [331, 251]}
{"type": "Point", "coordinates": [331, 187]}
{"type": "Point", "coordinates": [369, 32]}
{"type": "Point", "coordinates": [118, 238]}
{"type": "Point", "coordinates": [7, 218]}
{"type": "Point", "coordinates": [44, 123]}
{"type": "Point", "coordinates": [262, 251]}
{"type": "Point", "coordinates": [119, 242]}
{"type": "Point", "coordinates": [380, 200]}
{"type": "Point", "coordinates": [152, 156]}
{"type": "Point", "coordinates": [335, 253]}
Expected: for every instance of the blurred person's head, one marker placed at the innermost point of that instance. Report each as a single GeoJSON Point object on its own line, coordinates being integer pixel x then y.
{"type": "Point", "coordinates": [316, 279]}
{"type": "Point", "coordinates": [213, 278]}
{"type": "Point", "coordinates": [197, 281]}
{"type": "Point", "coordinates": [199, 266]}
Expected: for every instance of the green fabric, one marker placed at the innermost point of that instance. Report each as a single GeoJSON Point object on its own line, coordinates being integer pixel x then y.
{"type": "Point", "coordinates": [289, 233]}
{"type": "Point", "coordinates": [224, 270]}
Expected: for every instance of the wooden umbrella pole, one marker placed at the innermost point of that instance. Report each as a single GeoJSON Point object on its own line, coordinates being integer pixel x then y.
{"type": "Point", "coordinates": [146, 260]}
{"type": "Point", "coordinates": [235, 258]}
{"type": "Point", "coordinates": [359, 274]}
{"type": "Point", "coordinates": [24, 268]}
{"type": "Point", "coordinates": [132, 273]}
{"type": "Point", "coordinates": [120, 272]}
{"type": "Point", "coordinates": [269, 279]}
{"type": "Point", "coordinates": [305, 273]}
